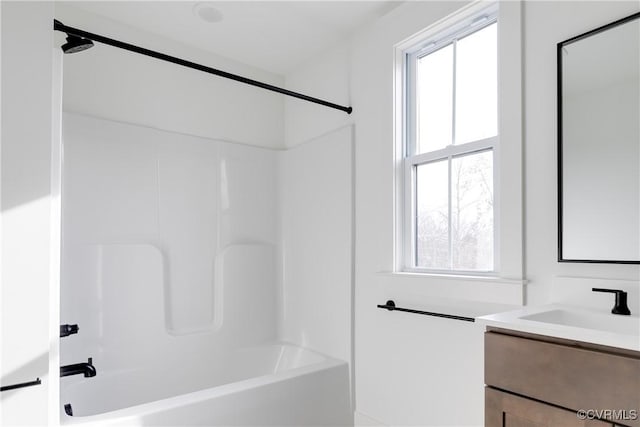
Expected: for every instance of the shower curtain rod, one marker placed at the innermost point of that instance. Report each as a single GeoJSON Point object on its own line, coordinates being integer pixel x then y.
{"type": "Point", "coordinates": [58, 26]}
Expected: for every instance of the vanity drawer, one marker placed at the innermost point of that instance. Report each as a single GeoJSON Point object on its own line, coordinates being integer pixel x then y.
{"type": "Point", "coordinates": [568, 376]}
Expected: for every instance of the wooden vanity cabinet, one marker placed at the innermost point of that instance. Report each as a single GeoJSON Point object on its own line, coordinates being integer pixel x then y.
{"type": "Point", "coordinates": [510, 410]}
{"type": "Point", "coordinates": [542, 381]}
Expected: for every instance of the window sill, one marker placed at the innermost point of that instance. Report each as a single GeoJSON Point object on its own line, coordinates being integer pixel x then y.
{"type": "Point", "coordinates": [482, 289]}
{"type": "Point", "coordinates": [488, 277]}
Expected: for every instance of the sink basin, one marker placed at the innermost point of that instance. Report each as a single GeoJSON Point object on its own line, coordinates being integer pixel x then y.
{"type": "Point", "coordinates": [571, 323]}
{"type": "Point", "coordinates": [626, 325]}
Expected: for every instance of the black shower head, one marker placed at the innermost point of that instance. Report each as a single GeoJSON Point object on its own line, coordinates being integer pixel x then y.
{"type": "Point", "coordinates": [76, 44]}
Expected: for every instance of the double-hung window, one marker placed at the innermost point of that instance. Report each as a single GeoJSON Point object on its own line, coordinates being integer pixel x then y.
{"type": "Point", "coordinates": [450, 140]}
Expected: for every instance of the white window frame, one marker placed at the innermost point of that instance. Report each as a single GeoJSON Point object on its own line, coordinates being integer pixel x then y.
{"type": "Point", "coordinates": [451, 30]}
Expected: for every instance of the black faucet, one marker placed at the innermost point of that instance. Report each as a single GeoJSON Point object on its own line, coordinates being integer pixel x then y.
{"type": "Point", "coordinates": [620, 306]}
{"type": "Point", "coordinates": [85, 368]}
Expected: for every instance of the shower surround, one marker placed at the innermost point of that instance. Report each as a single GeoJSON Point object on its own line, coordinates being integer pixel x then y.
{"type": "Point", "coordinates": [171, 264]}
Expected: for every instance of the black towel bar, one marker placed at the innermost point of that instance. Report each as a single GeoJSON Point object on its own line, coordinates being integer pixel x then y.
{"type": "Point", "coordinates": [391, 306]}
{"type": "Point", "coordinates": [20, 385]}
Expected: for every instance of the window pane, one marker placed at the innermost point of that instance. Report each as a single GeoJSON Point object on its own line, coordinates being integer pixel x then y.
{"type": "Point", "coordinates": [477, 86]}
{"type": "Point", "coordinates": [472, 211]}
{"type": "Point", "coordinates": [432, 215]}
{"type": "Point", "coordinates": [434, 97]}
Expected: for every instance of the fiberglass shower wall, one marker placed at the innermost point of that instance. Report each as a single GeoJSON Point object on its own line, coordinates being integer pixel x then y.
{"type": "Point", "coordinates": [168, 245]}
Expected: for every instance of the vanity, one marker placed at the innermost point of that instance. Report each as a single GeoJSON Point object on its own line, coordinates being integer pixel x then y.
{"type": "Point", "coordinates": [547, 366]}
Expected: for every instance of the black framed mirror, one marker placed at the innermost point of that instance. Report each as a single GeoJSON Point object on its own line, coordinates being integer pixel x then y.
{"type": "Point", "coordinates": [599, 145]}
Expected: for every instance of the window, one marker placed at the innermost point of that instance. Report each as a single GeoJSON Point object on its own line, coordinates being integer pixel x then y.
{"type": "Point", "coordinates": [450, 129]}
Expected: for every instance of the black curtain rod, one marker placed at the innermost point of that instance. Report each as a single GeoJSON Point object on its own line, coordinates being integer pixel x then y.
{"type": "Point", "coordinates": [58, 26]}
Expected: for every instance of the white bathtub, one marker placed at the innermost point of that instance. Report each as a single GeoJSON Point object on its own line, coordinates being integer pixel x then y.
{"type": "Point", "coordinates": [277, 385]}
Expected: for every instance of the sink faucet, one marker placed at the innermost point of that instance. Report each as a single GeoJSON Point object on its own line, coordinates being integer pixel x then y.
{"type": "Point", "coordinates": [85, 368]}
{"type": "Point", "coordinates": [620, 306]}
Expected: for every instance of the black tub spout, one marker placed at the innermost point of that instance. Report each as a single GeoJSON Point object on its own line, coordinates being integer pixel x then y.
{"type": "Point", "coordinates": [85, 368]}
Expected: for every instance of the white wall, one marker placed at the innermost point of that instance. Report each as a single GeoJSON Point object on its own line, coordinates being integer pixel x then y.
{"type": "Point", "coordinates": [326, 77]}
{"type": "Point", "coordinates": [115, 84]}
{"type": "Point", "coordinates": [25, 187]}
{"type": "Point", "coordinates": [412, 370]}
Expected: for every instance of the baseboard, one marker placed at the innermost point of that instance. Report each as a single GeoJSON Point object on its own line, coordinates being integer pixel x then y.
{"type": "Point", "coordinates": [361, 420]}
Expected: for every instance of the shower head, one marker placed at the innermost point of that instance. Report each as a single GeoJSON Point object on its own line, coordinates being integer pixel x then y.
{"type": "Point", "coordinates": [76, 44]}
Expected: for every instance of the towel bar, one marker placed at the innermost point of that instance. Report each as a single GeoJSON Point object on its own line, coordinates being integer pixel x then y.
{"type": "Point", "coordinates": [391, 306]}
{"type": "Point", "coordinates": [20, 385]}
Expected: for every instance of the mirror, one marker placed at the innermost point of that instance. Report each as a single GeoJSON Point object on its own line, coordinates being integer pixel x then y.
{"type": "Point", "coordinates": [599, 145]}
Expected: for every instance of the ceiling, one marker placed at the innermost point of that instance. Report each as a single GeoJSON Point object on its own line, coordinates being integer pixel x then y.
{"type": "Point", "coordinates": [275, 36]}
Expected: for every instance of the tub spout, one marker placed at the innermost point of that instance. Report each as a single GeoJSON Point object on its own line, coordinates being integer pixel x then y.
{"type": "Point", "coordinates": [85, 368]}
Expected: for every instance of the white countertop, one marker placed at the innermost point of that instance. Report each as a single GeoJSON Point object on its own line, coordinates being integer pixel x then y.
{"type": "Point", "coordinates": [594, 326]}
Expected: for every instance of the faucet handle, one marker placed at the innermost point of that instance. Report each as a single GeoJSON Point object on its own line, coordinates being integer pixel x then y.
{"type": "Point", "coordinates": [620, 306]}
{"type": "Point", "coordinates": [66, 330]}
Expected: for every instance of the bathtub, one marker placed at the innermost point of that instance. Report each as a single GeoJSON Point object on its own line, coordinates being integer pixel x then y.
{"type": "Point", "coordinates": [276, 385]}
